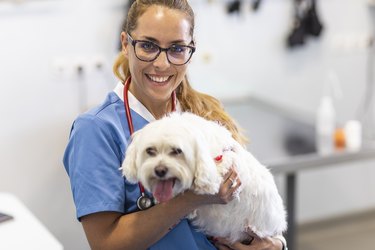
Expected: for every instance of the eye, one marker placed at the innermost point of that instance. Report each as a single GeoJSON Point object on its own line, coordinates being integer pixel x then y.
{"type": "Point", "coordinates": [176, 151]}
{"type": "Point", "coordinates": [148, 46]}
{"type": "Point", "coordinates": [151, 151]}
{"type": "Point", "coordinates": [177, 49]}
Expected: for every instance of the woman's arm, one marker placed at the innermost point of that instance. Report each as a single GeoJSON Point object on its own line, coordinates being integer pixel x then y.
{"type": "Point", "coordinates": [140, 230]}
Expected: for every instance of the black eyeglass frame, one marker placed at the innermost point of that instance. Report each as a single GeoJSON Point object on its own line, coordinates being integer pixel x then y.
{"type": "Point", "coordinates": [133, 42]}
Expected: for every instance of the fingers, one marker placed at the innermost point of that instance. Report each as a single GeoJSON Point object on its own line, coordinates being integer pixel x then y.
{"type": "Point", "coordinates": [223, 244]}
{"type": "Point", "coordinates": [222, 247]}
{"type": "Point", "coordinates": [231, 180]}
{"type": "Point", "coordinates": [229, 187]}
{"type": "Point", "coordinates": [252, 234]}
{"type": "Point", "coordinates": [253, 243]}
{"type": "Point", "coordinates": [235, 183]}
{"type": "Point", "coordinates": [231, 174]}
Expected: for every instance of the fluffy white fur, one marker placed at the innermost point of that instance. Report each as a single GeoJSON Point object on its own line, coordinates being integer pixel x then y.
{"type": "Point", "coordinates": [185, 145]}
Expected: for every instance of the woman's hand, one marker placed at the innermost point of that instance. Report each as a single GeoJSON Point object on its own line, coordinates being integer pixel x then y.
{"type": "Point", "coordinates": [255, 244]}
{"type": "Point", "coordinates": [229, 186]}
{"type": "Point", "coordinates": [231, 182]}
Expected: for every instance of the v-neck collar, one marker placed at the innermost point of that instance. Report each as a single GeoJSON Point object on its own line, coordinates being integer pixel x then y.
{"type": "Point", "coordinates": [136, 105]}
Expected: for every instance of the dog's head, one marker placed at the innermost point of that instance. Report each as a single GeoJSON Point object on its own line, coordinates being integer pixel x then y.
{"type": "Point", "coordinates": [169, 156]}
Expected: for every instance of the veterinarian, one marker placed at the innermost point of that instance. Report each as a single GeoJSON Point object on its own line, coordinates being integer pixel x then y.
{"type": "Point", "coordinates": [157, 45]}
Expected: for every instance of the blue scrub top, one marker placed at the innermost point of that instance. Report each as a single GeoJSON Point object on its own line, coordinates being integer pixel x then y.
{"type": "Point", "coordinates": [92, 159]}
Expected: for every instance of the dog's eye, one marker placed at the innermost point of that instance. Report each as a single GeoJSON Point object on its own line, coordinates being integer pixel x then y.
{"type": "Point", "coordinates": [151, 151]}
{"type": "Point", "coordinates": [176, 151]}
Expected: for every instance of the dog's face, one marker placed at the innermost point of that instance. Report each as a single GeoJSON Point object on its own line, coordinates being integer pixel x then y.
{"type": "Point", "coordinates": [165, 163]}
{"type": "Point", "coordinates": [168, 157]}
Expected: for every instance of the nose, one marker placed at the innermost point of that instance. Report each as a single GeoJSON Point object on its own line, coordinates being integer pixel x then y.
{"type": "Point", "coordinates": [161, 171]}
{"type": "Point", "coordinates": [161, 62]}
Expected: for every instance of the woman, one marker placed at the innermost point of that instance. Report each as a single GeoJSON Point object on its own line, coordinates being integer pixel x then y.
{"type": "Point", "coordinates": [157, 44]}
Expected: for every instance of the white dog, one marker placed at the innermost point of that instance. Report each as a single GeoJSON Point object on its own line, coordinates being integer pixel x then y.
{"type": "Point", "coordinates": [184, 151]}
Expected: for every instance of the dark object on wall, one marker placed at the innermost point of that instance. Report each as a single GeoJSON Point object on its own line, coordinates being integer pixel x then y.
{"type": "Point", "coordinates": [306, 22]}
{"type": "Point", "coordinates": [313, 25]}
{"type": "Point", "coordinates": [234, 7]}
{"type": "Point", "coordinates": [297, 35]}
{"type": "Point", "coordinates": [5, 217]}
{"type": "Point", "coordinates": [255, 4]}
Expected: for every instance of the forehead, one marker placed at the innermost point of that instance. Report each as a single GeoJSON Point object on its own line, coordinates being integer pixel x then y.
{"type": "Point", "coordinates": [166, 131]}
{"type": "Point", "coordinates": [163, 24]}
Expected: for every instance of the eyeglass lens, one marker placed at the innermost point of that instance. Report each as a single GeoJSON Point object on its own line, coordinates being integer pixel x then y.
{"type": "Point", "coordinates": [148, 51]}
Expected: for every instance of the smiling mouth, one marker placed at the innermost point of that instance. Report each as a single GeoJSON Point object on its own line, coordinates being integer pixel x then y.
{"type": "Point", "coordinates": [160, 80]}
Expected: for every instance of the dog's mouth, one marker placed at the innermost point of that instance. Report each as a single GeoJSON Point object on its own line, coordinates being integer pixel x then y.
{"type": "Point", "coordinates": [163, 190]}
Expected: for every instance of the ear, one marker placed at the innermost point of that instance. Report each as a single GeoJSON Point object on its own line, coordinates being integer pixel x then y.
{"type": "Point", "coordinates": [124, 43]}
{"type": "Point", "coordinates": [129, 166]}
{"type": "Point", "coordinates": [206, 178]}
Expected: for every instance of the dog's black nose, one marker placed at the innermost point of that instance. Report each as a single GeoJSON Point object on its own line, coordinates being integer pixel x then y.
{"type": "Point", "coordinates": [161, 171]}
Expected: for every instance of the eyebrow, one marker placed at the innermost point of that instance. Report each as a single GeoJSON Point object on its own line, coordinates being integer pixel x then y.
{"type": "Point", "coordinates": [156, 41]}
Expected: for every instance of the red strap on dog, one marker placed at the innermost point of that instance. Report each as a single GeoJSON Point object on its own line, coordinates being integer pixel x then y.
{"type": "Point", "coordinates": [218, 158]}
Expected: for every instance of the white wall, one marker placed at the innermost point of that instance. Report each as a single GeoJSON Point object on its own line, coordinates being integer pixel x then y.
{"type": "Point", "coordinates": [38, 104]}
{"type": "Point", "coordinates": [247, 53]}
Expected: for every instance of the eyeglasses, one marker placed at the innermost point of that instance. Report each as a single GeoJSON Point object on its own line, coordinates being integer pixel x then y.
{"type": "Point", "coordinates": [148, 51]}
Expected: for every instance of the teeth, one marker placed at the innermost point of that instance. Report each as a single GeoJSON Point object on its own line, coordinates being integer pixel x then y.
{"type": "Point", "coordinates": [159, 79]}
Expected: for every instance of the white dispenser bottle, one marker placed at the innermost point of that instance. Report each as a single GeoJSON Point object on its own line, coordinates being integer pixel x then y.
{"type": "Point", "coordinates": [325, 126]}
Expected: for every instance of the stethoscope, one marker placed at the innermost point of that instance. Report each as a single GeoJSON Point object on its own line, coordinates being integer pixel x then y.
{"type": "Point", "coordinates": [144, 201]}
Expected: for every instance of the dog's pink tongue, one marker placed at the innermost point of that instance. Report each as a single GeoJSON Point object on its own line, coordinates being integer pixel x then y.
{"type": "Point", "coordinates": [163, 191]}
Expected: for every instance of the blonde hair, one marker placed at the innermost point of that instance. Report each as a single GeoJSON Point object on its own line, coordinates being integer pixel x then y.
{"type": "Point", "coordinates": [191, 100]}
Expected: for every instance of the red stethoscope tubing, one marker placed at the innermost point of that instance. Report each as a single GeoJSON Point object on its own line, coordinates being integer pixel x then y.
{"type": "Point", "coordinates": [129, 116]}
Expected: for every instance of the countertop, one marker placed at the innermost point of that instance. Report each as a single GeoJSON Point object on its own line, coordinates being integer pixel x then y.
{"type": "Point", "coordinates": [24, 231]}
{"type": "Point", "coordinates": [284, 140]}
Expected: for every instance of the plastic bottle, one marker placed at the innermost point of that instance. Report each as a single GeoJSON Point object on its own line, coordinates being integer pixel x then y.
{"type": "Point", "coordinates": [325, 126]}
{"type": "Point", "coordinates": [353, 133]}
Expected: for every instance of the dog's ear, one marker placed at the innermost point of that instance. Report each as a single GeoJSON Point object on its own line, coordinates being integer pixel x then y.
{"type": "Point", "coordinates": [206, 177]}
{"type": "Point", "coordinates": [129, 169]}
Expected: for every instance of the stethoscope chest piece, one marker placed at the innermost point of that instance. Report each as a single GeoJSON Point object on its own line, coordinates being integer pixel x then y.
{"type": "Point", "coordinates": [144, 202]}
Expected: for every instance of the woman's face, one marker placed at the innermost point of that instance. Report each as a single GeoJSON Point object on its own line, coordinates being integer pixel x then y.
{"type": "Point", "coordinates": [153, 82]}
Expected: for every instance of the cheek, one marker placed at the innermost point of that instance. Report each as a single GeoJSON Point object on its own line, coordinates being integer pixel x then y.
{"type": "Point", "coordinates": [134, 63]}
{"type": "Point", "coordinates": [145, 160]}
{"type": "Point", "coordinates": [190, 160]}
{"type": "Point", "coordinates": [146, 169]}
{"type": "Point", "coordinates": [136, 69]}
{"type": "Point", "coordinates": [181, 71]}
